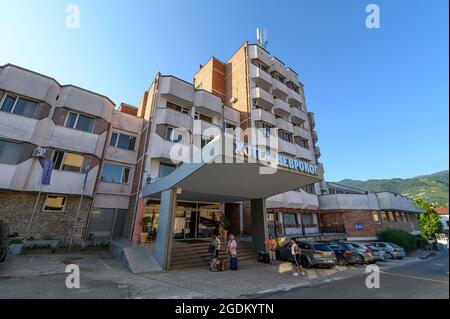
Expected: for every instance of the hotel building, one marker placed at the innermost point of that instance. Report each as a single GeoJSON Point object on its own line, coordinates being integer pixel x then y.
{"type": "Point", "coordinates": [116, 170]}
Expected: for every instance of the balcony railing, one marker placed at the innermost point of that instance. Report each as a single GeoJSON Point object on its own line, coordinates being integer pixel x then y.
{"type": "Point", "coordinates": [311, 119]}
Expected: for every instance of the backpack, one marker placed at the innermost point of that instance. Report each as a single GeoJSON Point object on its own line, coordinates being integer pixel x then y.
{"type": "Point", "coordinates": [212, 247]}
{"type": "Point", "coordinates": [223, 264]}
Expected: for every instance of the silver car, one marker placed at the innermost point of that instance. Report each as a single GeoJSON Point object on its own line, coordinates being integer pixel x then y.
{"type": "Point", "coordinates": [365, 254]}
{"type": "Point", "coordinates": [391, 250]}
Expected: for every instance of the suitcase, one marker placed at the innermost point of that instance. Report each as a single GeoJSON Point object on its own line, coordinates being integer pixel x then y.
{"type": "Point", "coordinates": [261, 256]}
{"type": "Point", "coordinates": [266, 258]}
{"type": "Point", "coordinates": [214, 264]}
{"type": "Point", "coordinates": [233, 263]}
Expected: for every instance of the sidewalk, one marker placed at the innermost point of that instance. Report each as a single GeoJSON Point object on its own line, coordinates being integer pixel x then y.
{"type": "Point", "coordinates": [103, 277]}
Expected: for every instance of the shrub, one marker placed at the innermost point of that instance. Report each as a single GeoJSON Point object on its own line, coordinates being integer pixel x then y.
{"type": "Point", "coordinates": [399, 237]}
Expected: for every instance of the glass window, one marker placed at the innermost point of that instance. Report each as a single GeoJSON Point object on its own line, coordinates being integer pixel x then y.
{"type": "Point", "coordinates": [9, 152]}
{"type": "Point", "coordinates": [85, 123]}
{"type": "Point", "coordinates": [376, 217]}
{"type": "Point", "coordinates": [126, 141]}
{"type": "Point", "coordinates": [384, 217]}
{"type": "Point", "coordinates": [390, 216]}
{"type": "Point", "coordinates": [177, 108]}
{"type": "Point", "coordinates": [290, 220]}
{"type": "Point", "coordinates": [199, 116]}
{"type": "Point", "coordinates": [80, 122]}
{"type": "Point", "coordinates": [54, 203]}
{"type": "Point", "coordinates": [8, 103]}
{"type": "Point", "coordinates": [165, 169]}
{"type": "Point", "coordinates": [114, 138]}
{"type": "Point", "coordinates": [101, 222]}
{"type": "Point", "coordinates": [19, 106]}
{"type": "Point", "coordinates": [397, 217]}
{"type": "Point", "coordinates": [229, 126]}
{"type": "Point", "coordinates": [115, 174]}
{"type": "Point", "coordinates": [58, 157]}
{"type": "Point", "coordinates": [285, 136]}
{"type": "Point", "coordinates": [205, 141]}
{"type": "Point", "coordinates": [303, 143]}
{"type": "Point", "coordinates": [308, 220]}
{"type": "Point", "coordinates": [25, 108]}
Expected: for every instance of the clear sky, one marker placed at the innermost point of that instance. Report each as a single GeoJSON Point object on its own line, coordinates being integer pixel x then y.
{"type": "Point", "coordinates": [380, 96]}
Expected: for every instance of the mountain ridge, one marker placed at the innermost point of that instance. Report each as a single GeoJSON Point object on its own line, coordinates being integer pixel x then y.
{"type": "Point", "coordinates": [432, 188]}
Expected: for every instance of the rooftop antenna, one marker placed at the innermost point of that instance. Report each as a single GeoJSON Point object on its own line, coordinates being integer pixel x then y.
{"type": "Point", "coordinates": [261, 37]}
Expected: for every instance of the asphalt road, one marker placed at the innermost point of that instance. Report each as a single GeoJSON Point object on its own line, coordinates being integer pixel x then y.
{"type": "Point", "coordinates": [426, 279]}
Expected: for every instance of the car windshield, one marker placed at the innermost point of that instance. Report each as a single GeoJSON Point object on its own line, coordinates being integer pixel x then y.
{"type": "Point", "coordinates": [356, 245]}
{"type": "Point", "coordinates": [322, 247]}
{"type": "Point", "coordinates": [394, 245]}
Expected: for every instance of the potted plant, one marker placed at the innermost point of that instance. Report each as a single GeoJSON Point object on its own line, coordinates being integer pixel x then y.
{"type": "Point", "coordinates": [146, 220]}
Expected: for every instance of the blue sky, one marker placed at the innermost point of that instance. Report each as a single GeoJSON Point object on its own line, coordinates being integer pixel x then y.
{"type": "Point", "coordinates": [380, 96]}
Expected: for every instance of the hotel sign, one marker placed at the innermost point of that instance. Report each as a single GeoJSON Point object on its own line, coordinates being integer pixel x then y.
{"type": "Point", "coordinates": [264, 155]}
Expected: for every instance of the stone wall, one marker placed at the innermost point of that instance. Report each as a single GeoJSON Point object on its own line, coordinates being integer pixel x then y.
{"type": "Point", "coordinates": [16, 209]}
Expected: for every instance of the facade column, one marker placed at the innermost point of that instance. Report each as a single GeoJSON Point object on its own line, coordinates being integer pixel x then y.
{"type": "Point", "coordinates": [241, 218]}
{"type": "Point", "coordinates": [259, 223]}
{"type": "Point", "coordinates": [166, 223]}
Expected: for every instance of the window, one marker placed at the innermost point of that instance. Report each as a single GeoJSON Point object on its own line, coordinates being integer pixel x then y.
{"type": "Point", "coordinates": [384, 217]}
{"type": "Point", "coordinates": [302, 143]}
{"type": "Point", "coordinates": [177, 108]}
{"type": "Point", "coordinates": [229, 126]}
{"type": "Point", "coordinates": [121, 140]}
{"type": "Point", "coordinates": [202, 117]}
{"type": "Point", "coordinates": [308, 220]}
{"type": "Point", "coordinates": [261, 65]}
{"type": "Point", "coordinates": [404, 218]}
{"type": "Point", "coordinates": [290, 220]}
{"type": "Point", "coordinates": [376, 217]}
{"type": "Point", "coordinates": [285, 136]}
{"type": "Point", "coordinates": [18, 105]}
{"type": "Point", "coordinates": [205, 141]}
{"type": "Point", "coordinates": [309, 189]}
{"type": "Point", "coordinates": [80, 122]}
{"type": "Point", "coordinates": [397, 217]}
{"type": "Point", "coordinates": [278, 77]}
{"type": "Point", "coordinates": [115, 174]}
{"type": "Point", "coordinates": [54, 203]}
{"type": "Point", "coordinates": [390, 216]}
{"type": "Point", "coordinates": [165, 169]}
{"type": "Point", "coordinates": [174, 134]}
{"type": "Point", "coordinates": [66, 161]}
{"type": "Point", "coordinates": [9, 152]}
{"type": "Point", "coordinates": [266, 128]}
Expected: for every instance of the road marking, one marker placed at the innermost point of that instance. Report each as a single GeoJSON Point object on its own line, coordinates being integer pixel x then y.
{"type": "Point", "coordinates": [414, 277]}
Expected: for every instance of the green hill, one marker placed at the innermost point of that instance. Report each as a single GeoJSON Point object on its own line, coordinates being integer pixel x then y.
{"type": "Point", "coordinates": [431, 188]}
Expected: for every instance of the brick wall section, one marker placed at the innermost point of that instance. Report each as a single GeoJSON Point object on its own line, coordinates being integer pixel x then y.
{"type": "Point", "coordinates": [351, 218]}
{"type": "Point", "coordinates": [16, 209]}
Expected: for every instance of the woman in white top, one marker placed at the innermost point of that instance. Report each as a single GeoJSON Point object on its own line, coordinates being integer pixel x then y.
{"type": "Point", "coordinates": [295, 251]}
{"type": "Point", "coordinates": [232, 247]}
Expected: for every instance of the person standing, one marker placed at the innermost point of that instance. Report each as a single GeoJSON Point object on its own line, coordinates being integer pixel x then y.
{"type": "Point", "coordinates": [296, 253]}
{"type": "Point", "coordinates": [232, 252]}
{"type": "Point", "coordinates": [271, 246]}
{"type": "Point", "coordinates": [217, 245]}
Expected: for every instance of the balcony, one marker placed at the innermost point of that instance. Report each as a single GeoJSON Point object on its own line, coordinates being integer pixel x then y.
{"type": "Point", "coordinates": [260, 77]}
{"type": "Point", "coordinates": [173, 118]}
{"type": "Point", "coordinates": [312, 122]}
{"type": "Point", "coordinates": [277, 66]}
{"type": "Point", "coordinates": [280, 90]}
{"type": "Point", "coordinates": [281, 108]}
{"type": "Point", "coordinates": [263, 98]}
{"type": "Point", "coordinates": [285, 125]}
{"type": "Point", "coordinates": [162, 148]}
{"type": "Point", "coordinates": [315, 137]}
{"type": "Point", "coordinates": [207, 103]}
{"type": "Point", "coordinates": [264, 116]}
{"type": "Point", "coordinates": [176, 90]}
{"type": "Point", "coordinates": [231, 114]}
{"type": "Point", "coordinates": [295, 99]}
{"type": "Point", "coordinates": [298, 131]}
{"type": "Point", "coordinates": [300, 200]}
{"type": "Point", "coordinates": [256, 52]}
{"type": "Point", "coordinates": [304, 153]}
{"type": "Point", "coordinates": [317, 151]}
{"type": "Point", "coordinates": [298, 116]}
{"type": "Point", "coordinates": [287, 147]}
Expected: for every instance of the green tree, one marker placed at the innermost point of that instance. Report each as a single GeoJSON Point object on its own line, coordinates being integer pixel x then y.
{"type": "Point", "coordinates": [429, 222]}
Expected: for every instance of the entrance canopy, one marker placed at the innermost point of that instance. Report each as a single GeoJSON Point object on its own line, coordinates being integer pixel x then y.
{"type": "Point", "coordinates": [232, 182]}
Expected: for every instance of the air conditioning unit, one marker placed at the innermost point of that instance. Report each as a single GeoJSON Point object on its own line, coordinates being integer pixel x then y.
{"type": "Point", "coordinates": [150, 179]}
{"type": "Point", "coordinates": [39, 152]}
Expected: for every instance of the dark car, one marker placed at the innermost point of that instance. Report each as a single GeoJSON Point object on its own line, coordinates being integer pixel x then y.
{"type": "Point", "coordinates": [346, 254]}
{"type": "Point", "coordinates": [312, 254]}
{"type": "Point", "coordinates": [4, 240]}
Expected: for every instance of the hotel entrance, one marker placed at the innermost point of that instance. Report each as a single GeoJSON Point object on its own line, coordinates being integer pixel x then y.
{"type": "Point", "coordinates": [192, 220]}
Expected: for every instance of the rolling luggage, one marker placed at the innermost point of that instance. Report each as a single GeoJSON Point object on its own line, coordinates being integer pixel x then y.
{"type": "Point", "coordinates": [233, 263]}
{"type": "Point", "coordinates": [214, 265]}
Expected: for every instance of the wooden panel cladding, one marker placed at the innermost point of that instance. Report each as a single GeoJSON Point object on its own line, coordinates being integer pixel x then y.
{"type": "Point", "coordinates": [100, 126]}
{"type": "Point", "coordinates": [59, 116]}
{"type": "Point", "coordinates": [43, 110]}
{"type": "Point", "coordinates": [26, 152]}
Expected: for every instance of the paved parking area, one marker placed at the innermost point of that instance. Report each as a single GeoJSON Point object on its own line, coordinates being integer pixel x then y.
{"type": "Point", "coordinates": [101, 276]}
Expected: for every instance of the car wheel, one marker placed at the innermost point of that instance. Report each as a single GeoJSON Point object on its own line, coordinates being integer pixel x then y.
{"type": "Point", "coordinates": [305, 262]}
{"type": "Point", "coordinates": [362, 260]}
{"type": "Point", "coordinates": [389, 256]}
{"type": "Point", "coordinates": [399, 257]}
{"type": "Point", "coordinates": [278, 255]}
{"type": "Point", "coordinates": [340, 260]}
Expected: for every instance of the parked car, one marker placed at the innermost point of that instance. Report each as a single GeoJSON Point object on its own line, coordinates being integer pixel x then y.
{"type": "Point", "coordinates": [5, 235]}
{"type": "Point", "coordinates": [345, 253]}
{"type": "Point", "coordinates": [313, 254]}
{"type": "Point", "coordinates": [365, 253]}
{"type": "Point", "coordinates": [392, 250]}
{"type": "Point", "coordinates": [377, 254]}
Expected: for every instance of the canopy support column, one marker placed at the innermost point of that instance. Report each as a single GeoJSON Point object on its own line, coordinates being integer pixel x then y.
{"type": "Point", "coordinates": [259, 223]}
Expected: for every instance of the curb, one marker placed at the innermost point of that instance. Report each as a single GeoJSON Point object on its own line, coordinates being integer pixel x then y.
{"type": "Point", "coordinates": [428, 254]}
